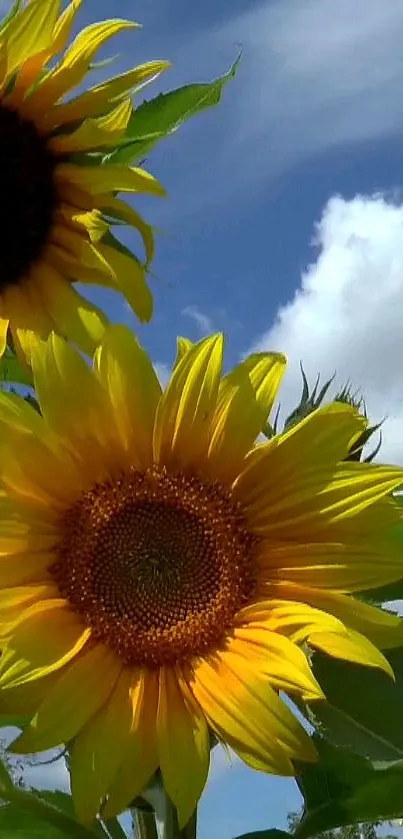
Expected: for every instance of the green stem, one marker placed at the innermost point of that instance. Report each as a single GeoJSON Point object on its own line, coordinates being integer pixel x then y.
{"type": "Point", "coordinates": [170, 826]}
{"type": "Point", "coordinates": [114, 828]}
{"type": "Point", "coordinates": [144, 826]}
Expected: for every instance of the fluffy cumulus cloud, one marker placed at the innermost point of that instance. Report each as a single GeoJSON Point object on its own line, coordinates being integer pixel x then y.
{"type": "Point", "coordinates": [347, 314]}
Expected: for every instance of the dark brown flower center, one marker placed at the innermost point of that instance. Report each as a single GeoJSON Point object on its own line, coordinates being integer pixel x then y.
{"type": "Point", "coordinates": [28, 193]}
{"type": "Point", "coordinates": [156, 564]}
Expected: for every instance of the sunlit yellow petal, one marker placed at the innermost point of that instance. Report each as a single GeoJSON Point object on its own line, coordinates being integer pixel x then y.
{"type": "Point", "coordinates": [351, 647]}
{"type": "Point", "coordinates": [183, 744]}
{"type": "Point", "coordinates": [43, 640]}
{"type": "Point", "coordinates": [142, 755]}
{"type": "Point", "coordinates": [94, 133]}
{"type": "Point", "coordinates": [115, 177]}
{"type": "Point", "coordinates": [96, 99]}
{"type": "Point", "coordinates": [184, 414]}
{"type": "Point", "coordinates": [81, 690]}
{"type": "Point", "coordinates": [75, 62]}
{"type": "Point", "coordinates": [245, 400]}
{"type": "Point", "coordinates": [127, 374]}
{"type": "Point", "coordinates": [31, 31]}
{"type": "Point", "coordinates": [239, 703]}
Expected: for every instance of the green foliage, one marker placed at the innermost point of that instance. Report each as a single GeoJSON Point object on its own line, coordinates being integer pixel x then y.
{"type": "Point", "coordinates": [345, 788]}
{"type": "Point", "coordinates": [266, 834]}
{"type": "Point", "coordinates": [156, 119]}
{"type": "Point", "coordinates": [363, 708]}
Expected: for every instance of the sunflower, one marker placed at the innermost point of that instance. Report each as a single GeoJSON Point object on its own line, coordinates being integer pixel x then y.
{"type": "Point", "coordinates": [164, 577]}
{"type": "Point", "coordinates": [58, 205]}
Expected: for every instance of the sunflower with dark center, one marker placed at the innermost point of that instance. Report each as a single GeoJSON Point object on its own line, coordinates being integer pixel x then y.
{"type": "Point", "coordinates": [163, 576]}
{"type": "Point", "coordinates": [58, 205]}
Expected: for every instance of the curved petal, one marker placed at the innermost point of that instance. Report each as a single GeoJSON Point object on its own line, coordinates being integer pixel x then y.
{"type": "Point", "coordinates": [100, 748]}
{"type": "Point", "coordinates": [74, 64]}
{"type": "Point", "coordinates": [351, 647]}
{"type": "Point", "coordinates": [185, 411]}
{"type": "Point", "coordinates": [47, 636]}
{"type": "Point", "coordinates": [343, 566]}
{"type": "Point", "coordinates": [119, 209]}
{"type": "Point", "coordinates": [24, 569]}
{"type": "Point", "coordinates": [31, 31]}
{"type": "Point", "coordinates": [94, 101]}
{"type": "Point", "coordinates": [125, 370]}
{"type": "Point", "coordinates": [142, 756]}
{"type": "Point", "coordinates": [23, 701]}
{"type": "Point", "coordinates": [113, 178]}
{"type": "Point", "coordinates": [245, 400]}
{"type": "Point", "coordinates": [129, 277]}
{"type": "Point", "coordinates": [242, 707]}
{"type": "Point", "coordinates": [383, 628]}
{"type": "Point", "coordinates": [82, 322]}
{"type": "Point", "coordinates": [56, 484]}
{"type": "Point", "coordinates": [183, 744]}
{"type": "Point", "coordinates": [76, 406]}
{"type": "Point", "coordinates": [277, 657]}
{"type": "Point", "coordinates": [82, 689]}
{"type": "Point", "coordinates": [294, 485]}
{"type": "Point", "coordinates": [94, 133]}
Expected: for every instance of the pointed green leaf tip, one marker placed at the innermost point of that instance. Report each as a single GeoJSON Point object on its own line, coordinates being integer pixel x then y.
{"type": "Point", "coordinates": [155, 120]}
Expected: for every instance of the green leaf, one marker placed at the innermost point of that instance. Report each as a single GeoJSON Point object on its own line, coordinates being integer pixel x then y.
{"type": "Point", "coordinates": [345, 788]}
{"type": "Point", "coordinates": [6, 781]}
{"type": "Point", "coordinates": [37, 808]}
{"type": "Point", "coordinates": [154, 120]}
{"type": "Point", "coordinates": [11, 370]}
{"type": "Point", "coordinates": [363, 708]}
{"type": "Point", "coordinates": [272, 833]}
{"type": "Point", "coordinates": [19, 825]}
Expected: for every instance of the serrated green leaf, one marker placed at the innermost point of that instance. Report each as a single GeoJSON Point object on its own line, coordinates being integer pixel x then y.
{"type": "Point", "coordinates": [272, 833]}
{"type": "Point", "coordinates": [344, 788]}
{"type": "Point", "coordinates": [363, 708]}
{"type": "Point", "coordinates": [13, 372]}
{"type": "Point", "coordinates": [156, 119]}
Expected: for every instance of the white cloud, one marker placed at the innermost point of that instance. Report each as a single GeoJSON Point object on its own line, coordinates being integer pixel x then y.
{"type": "Point", "coordinates": [347, 315]}
{"type": "Point", "coordinates": [203, 322]}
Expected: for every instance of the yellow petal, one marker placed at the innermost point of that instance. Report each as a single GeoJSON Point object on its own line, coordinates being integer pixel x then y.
{"type": "Point", "coordinates": [113, 178]}
{"type": "Point", "coordinates": [20, 597]}
{"type": "Point", "coordinates": [294, 487]}
{"type": "Point", "coordinates": [31, 31]}
{"type": "Point", "coordinates": [345, 566]}
{"type": "Point", "coordinates": [56, 484]}
{"type": "Point", "coordinates": [47, 636]}
{"type": "Point", "coordinates": [63, 26]}
{"type": "Point", "coordinates": [382, 628]}
{"type": "Point", "coordinates": [75, 405]}
{"type": "Point", "coordinates": [94, 133]}
{"type": "Point", "coordinates": [351, 647]}
{"type": "Point", "coordinates": [99, 749]}
{"type": "Point", "coordinates": [95, 100]}
{"type": "Point", "coordinates": [290, 617]}
{"type": "Point", "coordinates": [247, 713]}
{"type": "Point", "coordinates": [74, 64]}
{"type": "Point", "coordinates": [117, 208]}
{"type": "Point", "coordinates": [142, 756]}
{"type": "Point", "coordinates": [81, 690]}
{"type": "Point", "coordinates": [185, 411]}
{"type": "Point", "coordinates": [22, 569]}
{"type": "Point", "coordinates": [76, 318]}
{"type": "Point", "coordinates": [24, 700]}
{"type": "Point", "coordinates": [276, 657]}
{"type": "Point", "coordinates": [183, 345]}
{"type": "Point", "coordinates": [183, 744]}
{"type": "Point", "coordinates": [126, 372]}
{"type": "Point", "coordinates": [4, 322]}
{"type": "Point", "coordinates": [129, 277]}
{"type": "Point", "coordinates": [245, 400]}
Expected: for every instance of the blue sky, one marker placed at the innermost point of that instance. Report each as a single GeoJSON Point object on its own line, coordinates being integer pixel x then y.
{"type": "Point", "coordinates": [284, 222]}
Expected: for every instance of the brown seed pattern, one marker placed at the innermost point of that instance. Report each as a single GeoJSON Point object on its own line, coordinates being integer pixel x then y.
{"type": "Point", "coordinates": [156, 563]}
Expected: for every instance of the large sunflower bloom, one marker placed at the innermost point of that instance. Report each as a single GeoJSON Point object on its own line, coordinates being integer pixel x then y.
{"type": "Point", "coordinates": [162, 576]}
{"type": "Point", "coordinates": [57, 205]}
